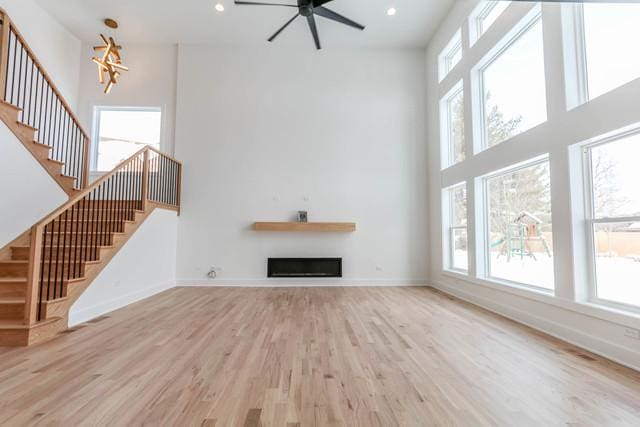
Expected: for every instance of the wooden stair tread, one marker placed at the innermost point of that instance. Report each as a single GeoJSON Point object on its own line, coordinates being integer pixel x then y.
{"type": "Point", "coordinates": [12, 300]}
{"type": "Point", "coordinates": [13, 280]}
{"type": "Point", "coordinates": [10, 105]}
{"type": "Point", "coordinates": [26, 125]}
{"type": "Point", "coordinates": [51, 160]}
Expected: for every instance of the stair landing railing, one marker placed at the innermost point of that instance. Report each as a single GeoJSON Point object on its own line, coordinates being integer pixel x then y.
{"type": "Point", "coordinates": [74, 234]}
{"type": "Point", "coordinates": [25, 84]}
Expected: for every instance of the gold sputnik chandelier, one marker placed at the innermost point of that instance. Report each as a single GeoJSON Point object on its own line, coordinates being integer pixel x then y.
{"type": "Point", "coordinates": [110, 64]}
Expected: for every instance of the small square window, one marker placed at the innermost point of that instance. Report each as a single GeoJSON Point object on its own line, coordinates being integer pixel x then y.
{"type": "Point", "coordinates": [512, 85]}
{"type": "Point", "coordinates": [452, 127]}
{"type": "Point", "coordinates": [456, 229]}
{"type": "Point", "coordinates": [121, 131]}
{"type": "Point", "coordinates": [450, 56]}
{"type": "Point", "coordinates": [519, 232]}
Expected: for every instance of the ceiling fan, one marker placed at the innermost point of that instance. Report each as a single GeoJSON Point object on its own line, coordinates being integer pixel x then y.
{"type": "Point", "coordinates": [308, 9]}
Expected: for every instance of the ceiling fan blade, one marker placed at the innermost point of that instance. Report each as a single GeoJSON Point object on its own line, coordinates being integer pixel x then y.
{"type": "Point", "coordinates": [318, 3]}
{"type": "Point", "coordinates": [252, 3]}
{"type": "Point", "coordinates": [314, 30]}
{"type": "Point", "coordinates": [277, 33]}
{"type": "Point", "coordinates": [330, 14]}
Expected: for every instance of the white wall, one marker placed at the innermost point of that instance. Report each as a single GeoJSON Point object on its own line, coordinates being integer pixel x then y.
{"type": "Point", "coordinates": [144, 267]}
{"type": "Point", "coordinates": [568, 314]}
{"type": "Point", "coordinates": [56, 48]}
{"type": "Point", "coordinates": [28, 193]}
{"type": "Point", "coordinates": [150, 82]}
{"type": "Point", "coordinates": [264, 133]}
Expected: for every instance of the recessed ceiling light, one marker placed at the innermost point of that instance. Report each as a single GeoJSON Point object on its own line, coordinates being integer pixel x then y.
{"type": "Point", "coordinates": [391, 11]}
{"type": "Point", "coordinates": [220, 7]}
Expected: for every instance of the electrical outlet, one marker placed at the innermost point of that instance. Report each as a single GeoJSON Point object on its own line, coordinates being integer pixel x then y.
{"type": "Point", "coordinates": [378, 268]}
{"type": "Point", "coordinates": [632, 333]}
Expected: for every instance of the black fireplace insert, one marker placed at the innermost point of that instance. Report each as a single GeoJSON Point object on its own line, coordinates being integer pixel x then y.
{"type": "Point", "coordinates": [304, 267]}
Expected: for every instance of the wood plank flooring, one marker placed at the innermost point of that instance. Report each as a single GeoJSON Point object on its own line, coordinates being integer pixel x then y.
{"type": "Point", "coordinates": [306, 357]}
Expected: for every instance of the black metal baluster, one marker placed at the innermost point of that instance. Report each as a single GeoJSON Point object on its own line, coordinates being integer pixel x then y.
{"type": "Point", "coordinates": [39, 90]}
{"type": "Point", "coordinates": [19, 76]}
{"type": "Point", "coordinates": [24, 86]}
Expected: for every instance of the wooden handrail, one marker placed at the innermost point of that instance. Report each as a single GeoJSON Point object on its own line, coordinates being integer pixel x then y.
{"type": "Point", "coordinates": [164, 155]}
{"type": "Point", "coordinates": [6, 19]}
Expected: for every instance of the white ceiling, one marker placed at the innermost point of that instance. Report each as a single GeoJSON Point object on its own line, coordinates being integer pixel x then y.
{"type": "Point", "coordinates": [196, 21]}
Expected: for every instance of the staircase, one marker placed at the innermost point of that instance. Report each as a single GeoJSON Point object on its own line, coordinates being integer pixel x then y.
{"type": "Point", "coordinates": [46, 269]}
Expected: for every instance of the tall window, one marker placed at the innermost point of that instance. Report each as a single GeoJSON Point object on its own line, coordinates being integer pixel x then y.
{"type": "Point", "coordinates": [611, 34]}
{"type": "Point", "coordinates": [484, 16]}
{"type": "Point", "coordinates": [120, 132]}
{"type": "Point", "coordinates": [519, 234]}
{"type": "Point", "coordinates": [513, 86]}
{"type": "Point", "coordinates": [450, 56]}
{"type": "Point", "coordinates": [456, 203]}
{"type": "Point", "coordinates": [614, 217]}
{"type": "Point", "coordinates": [452, 126]}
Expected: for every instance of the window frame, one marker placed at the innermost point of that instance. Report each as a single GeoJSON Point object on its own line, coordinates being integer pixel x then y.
{"type": "Point", "coordinates": [445, 64]}
{"type": "Point", "coordinates": [447, 146]}
{"type": "Point", "coordinates": [95, 133]}
{"type": "Point", "coordinates": [479, 14]}
{"type": "Point", "coordinates": [532, 18]}
{"type": "Point", "coordinates": [591, 220]}
{"type": "Point", "coordinates": [485, 273]}
{"type": "Point", "coordinates": [449, 229]}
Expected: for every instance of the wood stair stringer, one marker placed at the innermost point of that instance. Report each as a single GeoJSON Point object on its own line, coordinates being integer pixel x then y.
{"type": "Point", "coordinates": [26, 134]}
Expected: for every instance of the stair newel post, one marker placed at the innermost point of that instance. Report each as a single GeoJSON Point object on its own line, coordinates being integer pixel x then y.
{"type": "Point", "coordinates": [32, 299]}
{"type": "Point", "coordinates": [4, 51]}
{"type": "Point", "coordinates": [145, 180]}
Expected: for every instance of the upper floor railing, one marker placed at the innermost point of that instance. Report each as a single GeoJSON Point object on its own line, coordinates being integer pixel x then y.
{"type": "Point", "coordinates": [25, 84]}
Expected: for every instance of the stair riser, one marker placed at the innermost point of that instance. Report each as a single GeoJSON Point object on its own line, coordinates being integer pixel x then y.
{"type": "Point", "coordinates": [80, 253]}
{"type": "Point", "coordinates": [87, 226]}
{"type": "Point", "coordinates": [11, 311]}
{"type": "Point", "coordinates": [14, 270]}
{"type": "Point", "coordinates": [118, 215]}
{"type": "Point", "coordinates": [68, 240]}
{"type": "Point", "coordinates": [12, 290]}
{"type": "Point", "coordinates": [62, 271]}
{"type": "Point", "coordinates": [107, 204]}
{"type": "Point", "coordinates": [27, 133]}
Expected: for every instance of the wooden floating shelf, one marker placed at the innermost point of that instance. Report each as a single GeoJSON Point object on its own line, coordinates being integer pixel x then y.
{"type": "Point", "coordinates": [314, 227]}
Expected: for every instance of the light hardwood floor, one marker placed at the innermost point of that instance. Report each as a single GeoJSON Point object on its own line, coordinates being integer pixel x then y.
{"type": "Point", "coordinates": [315, 356]}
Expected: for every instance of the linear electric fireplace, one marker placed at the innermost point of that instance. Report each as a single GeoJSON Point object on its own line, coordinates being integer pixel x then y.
{"type": "Point", "coordinates": [304, 267]}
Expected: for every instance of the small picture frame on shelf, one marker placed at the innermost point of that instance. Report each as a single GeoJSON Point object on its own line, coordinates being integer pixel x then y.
{"type": "Point", "coordinates": [303, 216]}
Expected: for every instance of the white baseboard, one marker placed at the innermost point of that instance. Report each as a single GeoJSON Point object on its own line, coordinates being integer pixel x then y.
{"type": "Point", "coordinates": [299, 283]}
{"type": "Point", "coordinates": [88, 313]}
{"type": "Point", "coordinates": [597, 345]}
